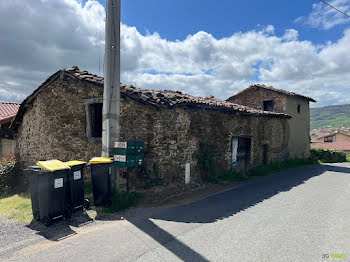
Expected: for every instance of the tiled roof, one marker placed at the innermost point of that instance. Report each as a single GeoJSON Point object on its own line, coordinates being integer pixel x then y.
{"type": "Point", "coordinates": [157, 98]}
{"type": "Point", "coordinates": [7, 112]}
{"type": "Point", "coordinates": [281, 91]}
{"type": "Point", "coordinates": [169, 98]}
{"type": "Point", "coordinates": [332, 134]}
{"type": "Point", "coordinates": [333, 145]}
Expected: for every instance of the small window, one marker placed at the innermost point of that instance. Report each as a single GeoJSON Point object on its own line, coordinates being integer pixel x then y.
{"type": "Point", "coordinates": [329, 139]}
{"type": "Point", "coordinates": [298, 108]}
{"type": "Point", "coordinates": [95, 114]}
{"type": "Point", "coordinates": [268, 105]}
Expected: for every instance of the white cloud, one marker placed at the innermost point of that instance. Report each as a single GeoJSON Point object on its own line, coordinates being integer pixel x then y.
{"type": "Point", "coordinates": [325, 17]}
{"type": "Point", "coordinates": [39, 42]}
{"type": "Point", "coordinates": [291, 35]}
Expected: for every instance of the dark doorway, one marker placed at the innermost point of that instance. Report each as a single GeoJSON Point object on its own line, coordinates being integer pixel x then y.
{"type": "Point", "coordinates": [243, 154]}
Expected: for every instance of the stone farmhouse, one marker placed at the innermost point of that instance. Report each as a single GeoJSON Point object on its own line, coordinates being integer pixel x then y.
{"type": "Point", "coordinates": [270, 99]}
{"type": "Point", "coordinates": [61, 119]}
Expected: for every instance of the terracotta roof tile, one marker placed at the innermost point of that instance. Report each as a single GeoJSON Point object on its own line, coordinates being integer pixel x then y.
{"type": "Point", "coordinates": [8, 111]}
{"type": "Point", "coordinates": [169, 98]}
{"type": "Point", "coordinates": [281, 91]}
{"type": "Point", "coordinates": [157, 98]}
{"type": "Point", "coordinates": [333, 145]}
{"type": "Point", "coordinates": [332, 134]}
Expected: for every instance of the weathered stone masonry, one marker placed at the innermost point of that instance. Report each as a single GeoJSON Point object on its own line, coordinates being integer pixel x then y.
{"type": "Point", "coordinates": [53, 126]}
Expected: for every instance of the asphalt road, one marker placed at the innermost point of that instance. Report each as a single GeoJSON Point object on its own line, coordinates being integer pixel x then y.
{"type": "Point", "coordinates": [300, 214]}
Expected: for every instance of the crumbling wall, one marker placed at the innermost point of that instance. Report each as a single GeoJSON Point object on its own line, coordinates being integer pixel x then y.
{"type": "Point", "coordinates": [55, 128]}
{"type": "Point", "coordinates": [255, 96]}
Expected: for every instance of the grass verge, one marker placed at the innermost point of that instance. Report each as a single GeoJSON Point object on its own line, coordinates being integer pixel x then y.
{"type": "Point", "coordinates": [279, 166]}
{"type": "Point", "coordinates": [122, 200]}
{"type": "Point", "coordinates": [17, 206]}
{"type": "Point", "coordinates": [231, 175]}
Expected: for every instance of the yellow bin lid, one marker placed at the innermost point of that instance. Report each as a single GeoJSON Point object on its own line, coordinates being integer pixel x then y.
{"type": "Point", "coordinates": [74, 163]}
{"type": "Point", "coordinates": [101, 160]}
{"type": "Point", "coordinates": [52, 165]}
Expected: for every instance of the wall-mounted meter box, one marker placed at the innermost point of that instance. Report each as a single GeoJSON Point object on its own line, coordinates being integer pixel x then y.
{"type": "Point", "coordinates": [128, 154]}
{"type": "Point", "coordinates": [128, 147]}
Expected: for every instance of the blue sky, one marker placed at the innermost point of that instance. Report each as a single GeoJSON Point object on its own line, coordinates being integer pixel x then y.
{"type": "Point", "coordinates": [200, 47]}
{"type": "Point", "coordinates": [174, 20]}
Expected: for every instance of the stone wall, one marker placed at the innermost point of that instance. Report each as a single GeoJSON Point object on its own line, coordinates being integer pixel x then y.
{"type": "Point", "coordinates": [55, 128]}
{"type": "Point", "coordinates": [255, 96]}
{"type": "Point", "coordinates": [299, 124]}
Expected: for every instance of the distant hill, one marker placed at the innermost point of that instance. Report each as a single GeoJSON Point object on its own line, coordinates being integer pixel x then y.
{"type": "Point", "coordinates": [332, 116]}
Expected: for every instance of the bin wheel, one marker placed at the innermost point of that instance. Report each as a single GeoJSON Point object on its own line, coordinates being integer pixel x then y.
{"type": "Point", "coordinates": [37, 215]}
{"type": "Point", "coordinates": [86, 203]}
{"type": "Point", "coordinates": [67, 213]}
{"type": "Point", "coordinates": [46, 221]}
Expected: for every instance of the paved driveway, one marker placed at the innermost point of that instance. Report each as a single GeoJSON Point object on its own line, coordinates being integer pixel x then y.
{"type": "Point", "coordinates": [300, 214]}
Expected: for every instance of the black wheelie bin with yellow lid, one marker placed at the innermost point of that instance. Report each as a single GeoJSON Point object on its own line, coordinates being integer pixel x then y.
{"type": "Point", "coordinates": [76, 185]}
{"type": "Point", "coordinates": [101, 186]}
{"type": "Point", "coordinates": [49, 190]}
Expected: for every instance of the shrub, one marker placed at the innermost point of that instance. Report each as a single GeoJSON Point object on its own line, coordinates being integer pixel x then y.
{"type": "Point", "coordinates": [327, 156]}
{"type": "Point", "coordinates": [123, 200]}
{"type": "Point", "coordinates": [207, 161]}
{"type": "Point", "coordinates": [8, 174]}
{"type": "Point", "coordinates": [210, 169]}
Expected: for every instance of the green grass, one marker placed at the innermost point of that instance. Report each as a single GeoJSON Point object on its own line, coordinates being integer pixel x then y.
{"type": "Point", "coordinates": [279, 166]}
{"type": "Point", "coordinates": [122, 200]}
{"type": "Point", "coordinates": [17, 206]}
{"type": "Point", "coordinates": [231, 175]}
{"type": "Point", "coordinates": [88, 193]}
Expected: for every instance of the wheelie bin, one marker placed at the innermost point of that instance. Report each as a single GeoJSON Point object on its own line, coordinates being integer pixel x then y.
{"type": "Point", "coordinates": [32, 173]}
{"type": "Point", "coordinates": [49, 191]}
{"type": "Point", "coordinates": [76, 185]}
{"type": "Point", "coordinates": [101, 186]}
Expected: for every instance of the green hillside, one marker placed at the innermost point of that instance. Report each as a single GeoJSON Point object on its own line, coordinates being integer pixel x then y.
{"type": "Point", "coordinates": [333, 116]}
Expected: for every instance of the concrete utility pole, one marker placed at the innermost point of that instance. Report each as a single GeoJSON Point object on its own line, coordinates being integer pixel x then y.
{"type": "Point", "coordinates": [111, 94]}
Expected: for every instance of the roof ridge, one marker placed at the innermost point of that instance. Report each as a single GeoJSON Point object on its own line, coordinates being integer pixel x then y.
{"type": "Point", "coordinates": [10, 103]}
{"type": "Point", "coordinates": [271, 88]}
{"type": "Point", "coordinates": [158, 98]}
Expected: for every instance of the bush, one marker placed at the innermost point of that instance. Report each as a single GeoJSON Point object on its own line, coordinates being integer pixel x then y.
{"type": "Point", "coordinates": [206, 161]}
{"type": "Point", "coordinates": [209, 167]}
{"type": "Point", "coordinates": [327, 156]}
{"type": "Point", "coordinates": [9, 173]}
{"type": "Point", "coordinates": [123, 200]}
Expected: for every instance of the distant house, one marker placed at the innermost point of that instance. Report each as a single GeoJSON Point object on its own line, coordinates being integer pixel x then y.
{"type": "Point", "coordinates": [8, 112]}
{"type": "Point", "coordinates": [270, 99]}
{"type": "Point", "coordinates": [340, 146]}
{"type": "Point", "coordinates": [333, 137]}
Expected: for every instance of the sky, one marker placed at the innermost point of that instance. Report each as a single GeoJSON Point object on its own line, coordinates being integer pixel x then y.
{"type": "Point", "coordinates": [200, 47]}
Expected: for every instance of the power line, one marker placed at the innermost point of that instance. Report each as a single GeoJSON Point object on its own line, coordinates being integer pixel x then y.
{"type": "Point", "coordinates": [335, 8]}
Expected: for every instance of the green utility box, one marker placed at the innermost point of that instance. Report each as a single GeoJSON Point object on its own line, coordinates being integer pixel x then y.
{"type": "Point", "coordinates": [128, 154]}
{"type": "Point", "coordinates": [128, 148]}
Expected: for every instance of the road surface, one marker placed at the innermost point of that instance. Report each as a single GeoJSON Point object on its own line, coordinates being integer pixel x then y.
{"type": "Point", "coordinates": [301, 214]}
